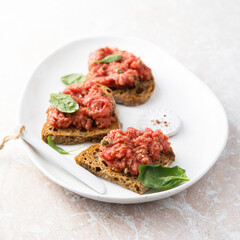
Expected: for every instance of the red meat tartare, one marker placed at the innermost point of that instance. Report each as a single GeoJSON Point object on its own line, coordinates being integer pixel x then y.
{"type": "Point", "coordinates": [126, 151]}
{"type": "Point", "coordinates": [125, 72]}
{"type": "Point", "coordinates": [95, 108]}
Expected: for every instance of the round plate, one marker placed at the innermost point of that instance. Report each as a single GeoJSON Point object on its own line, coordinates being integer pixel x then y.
{"type": "Point", "coordinates": [197, 146]}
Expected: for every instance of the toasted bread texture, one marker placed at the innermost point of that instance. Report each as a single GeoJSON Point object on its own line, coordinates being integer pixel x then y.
{"type": "Point", "coordinates": [71, 135]}
{"type": "Point", "coordinates": [90, 160]}
{"type": "Point", "coordinates": [136, 95]}
{"type": "Point", "coordinates": [132, 96]}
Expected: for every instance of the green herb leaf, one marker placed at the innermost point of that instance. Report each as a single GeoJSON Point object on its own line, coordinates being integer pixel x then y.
{"type": "Point", "coordinates": [110, 58]}
{"type": "Point", "coordinates": [53, 145]}
{"type": "Point", "coordinates": [73, 78]}
{"type": "Point", "coordinates": [63, 102]}
{"type": "Point", "coordinates": [58, 149]}
{"type": "Point", "coordinates": [158, 177]}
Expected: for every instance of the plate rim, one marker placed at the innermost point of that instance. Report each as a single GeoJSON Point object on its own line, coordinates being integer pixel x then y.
{"type": "Point", "coordinates": [138, 198]}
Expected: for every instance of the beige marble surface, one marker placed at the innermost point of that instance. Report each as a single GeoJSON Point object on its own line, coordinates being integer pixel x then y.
{"type": "Point", "coordinates": [203, 35]}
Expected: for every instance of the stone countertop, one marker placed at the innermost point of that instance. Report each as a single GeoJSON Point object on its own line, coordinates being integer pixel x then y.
{"type": "Point", "coordinates": [203, 35]}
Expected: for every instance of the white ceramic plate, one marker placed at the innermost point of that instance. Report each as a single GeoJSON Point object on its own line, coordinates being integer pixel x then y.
{"type": "Point", "coordinates": [197, 146]}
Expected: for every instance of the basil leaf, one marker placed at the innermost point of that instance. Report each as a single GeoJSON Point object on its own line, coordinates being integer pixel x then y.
{"type": "Point", "coordinates": [110, 58]}
{"type": "Point", "coordinates": [53, 145]}
{"type": "Point", "coordinates": [158, 177]}
{"type": "Point", "coordinates": [58, 149]}
{"type": "Point", "coordinates": [63, 102]}
{"type": "Point", "coordinates": [73, 78]}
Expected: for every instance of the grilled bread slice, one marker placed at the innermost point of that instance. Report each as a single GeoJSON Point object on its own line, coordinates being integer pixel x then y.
{"type": "Point", "coordinates": [133, 96]}
{"type": "Point", "coordinates": [136, 95]}
{"type": "Point", "coordinates": [71, 135]}
{"type": "Point", "coordinates": [90, 160]}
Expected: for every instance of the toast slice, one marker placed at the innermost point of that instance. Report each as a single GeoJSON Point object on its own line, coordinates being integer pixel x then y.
{"type": "Point", "coordinates": [90, 160]}
{"type": "Point", "coordinates": [136, 95]}
{"type": "Point", "coordinates": [71, 135]}
{"type": "Point", "coordinates": [132, 96]}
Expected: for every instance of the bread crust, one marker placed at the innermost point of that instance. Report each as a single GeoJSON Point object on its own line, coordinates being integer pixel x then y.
{"type": "Point", "coordinates": [136, 95]}
{"type": "Point", "coordinates": [90, 160]}
{"type": "Point", "coordinates": [71, 135]}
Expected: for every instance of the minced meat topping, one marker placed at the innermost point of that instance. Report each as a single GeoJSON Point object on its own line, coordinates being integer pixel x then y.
{"type": "Point", "coordinates": [125, 72]}
{"type": "Point", "coordinates": [95, 108]}
{"type": "Point", "coordinates": [126, 151]}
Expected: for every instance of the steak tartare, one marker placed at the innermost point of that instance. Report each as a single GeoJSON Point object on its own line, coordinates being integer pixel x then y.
{"type": "Point", "coordinates": [95, 108]}
{"type": "Point", "coordinates": [125, 72]}
{"type": "Point", "coordinates": [126, 151]}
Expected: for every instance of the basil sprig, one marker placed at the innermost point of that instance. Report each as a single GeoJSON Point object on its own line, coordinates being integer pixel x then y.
{"type": "Point", "coordinates": [58, 149]}
{"type": "Point", "coordinates": [162, 178]}
{"type": "Point", "coordinates": [110, 58]}
{"type": "Point", "coordinates": [63, 102]}
{"type": "Point", "coordinates": [73, 78]}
